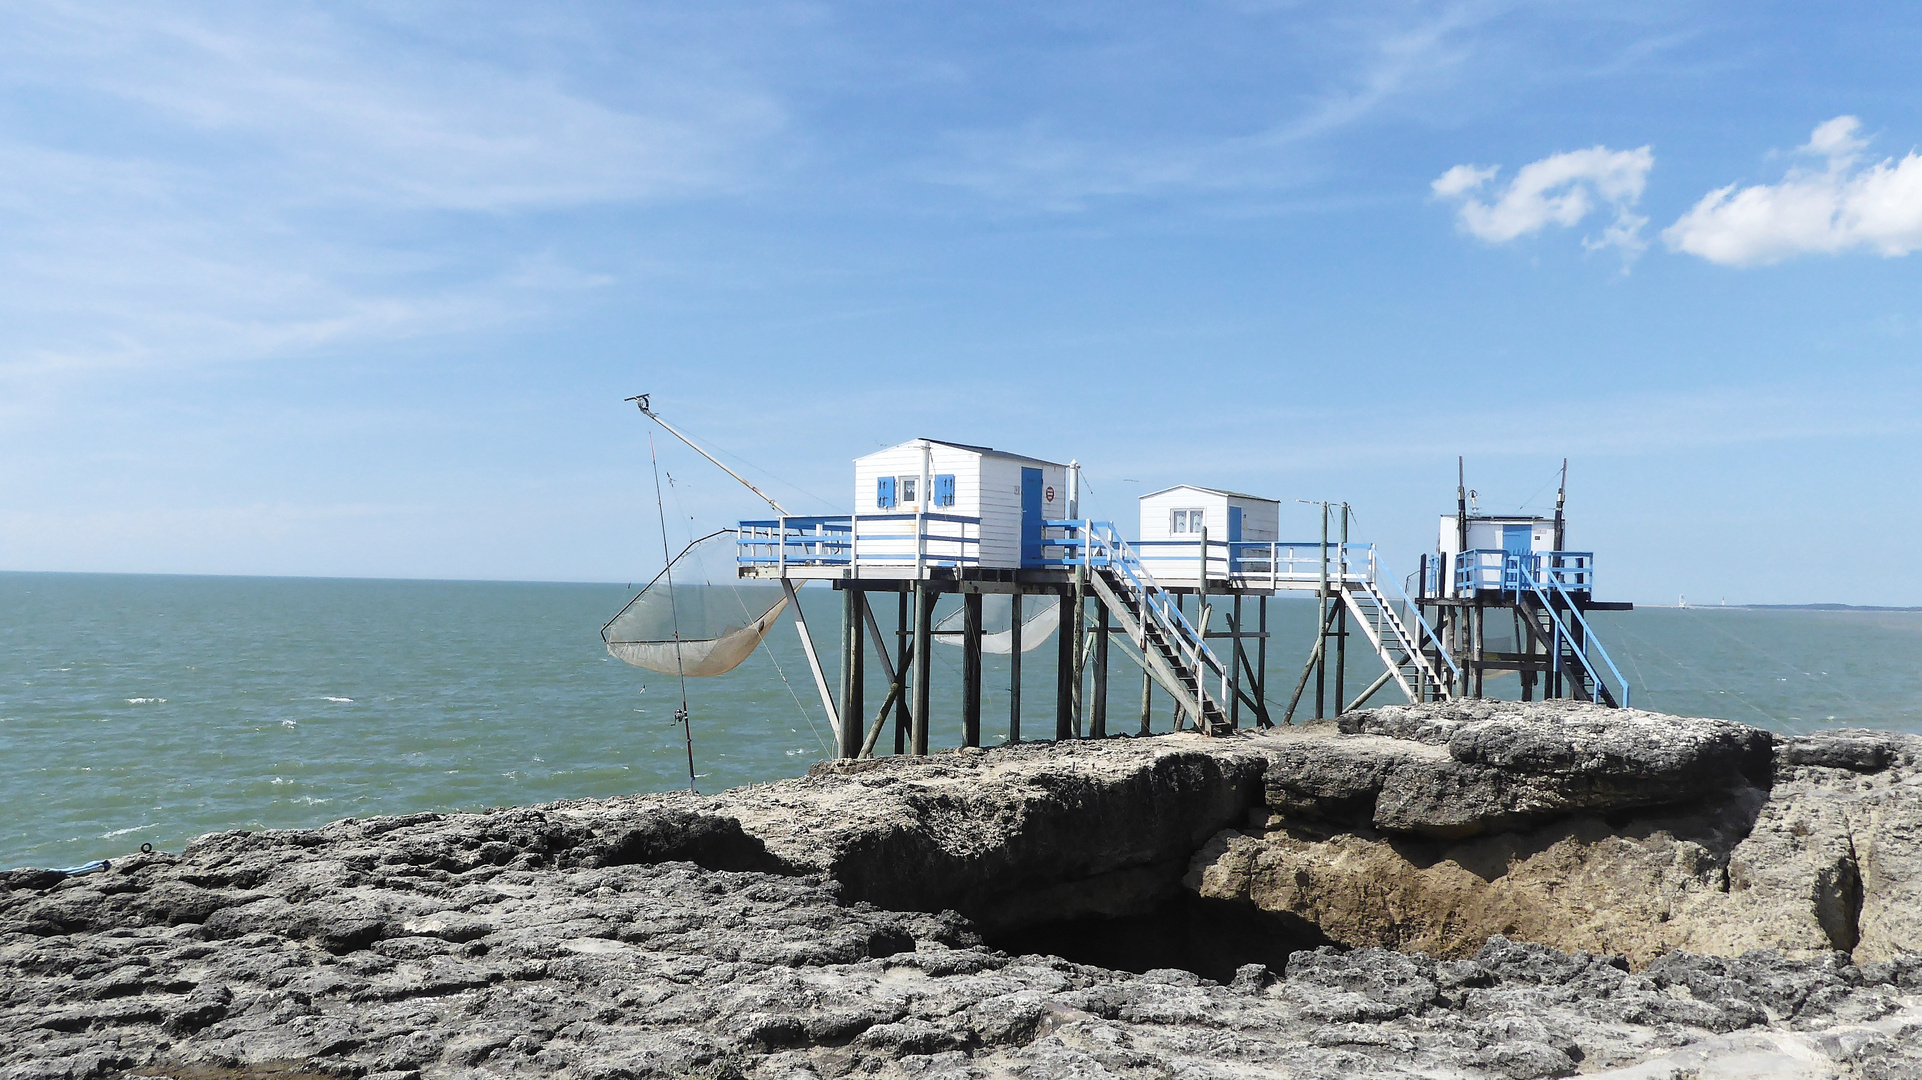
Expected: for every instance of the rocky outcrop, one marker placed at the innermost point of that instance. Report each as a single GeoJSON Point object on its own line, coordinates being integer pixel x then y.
{"type": "Point", "coordinates": [1557, 911]}
{"type": "Point", "coordinates": [1433, 828]}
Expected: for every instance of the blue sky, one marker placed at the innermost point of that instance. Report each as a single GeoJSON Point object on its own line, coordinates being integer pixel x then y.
{"type": "Point", "coordinates": [338, 290]}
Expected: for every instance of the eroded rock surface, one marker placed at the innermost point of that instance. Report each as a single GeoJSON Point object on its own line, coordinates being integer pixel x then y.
{"type": "Point", "coordinates": [1432, 828]}
{"type": "Point", "coordinates": [840, 924]}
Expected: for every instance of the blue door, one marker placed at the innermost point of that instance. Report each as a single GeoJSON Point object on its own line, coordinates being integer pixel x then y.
{"type": "Point", "coordinates": [1515, 547]}
{"type": "Point", "coordinates": [1030, 517]}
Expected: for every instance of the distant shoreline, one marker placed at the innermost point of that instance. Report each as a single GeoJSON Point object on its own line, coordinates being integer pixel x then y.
{"type": "Point", "coordinates": [1816, 607]}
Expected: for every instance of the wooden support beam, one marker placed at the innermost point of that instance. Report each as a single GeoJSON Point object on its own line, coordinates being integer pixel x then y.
{"type": "Point", "coordinates": [1064, 667]}
{"type": "Point", "coordinates": [813, 658]}
{"type": "Point", "coordinates": [1312, 668]}
{"type": "Point", "coordinates": [902, 650]}
{"type": "Point", "coordinates": [1014, 670]}
{"type": "Point", "coordinates": [1235, 662]}
{"type": "Point", "coordinates": [1098, 716]}
{"type": "Point", "coordinates": [1370, 692]}
{"type": "Point", "coordinates": [971, 669]}
{"type": "Point", "coordinates": [895, 690]}
{"type": "Point", "coordinates": [853, 673]}
{"type": "Point", "coordinates": [923, 663]}
{"type": "Point", "coordinates": [1260, 675]}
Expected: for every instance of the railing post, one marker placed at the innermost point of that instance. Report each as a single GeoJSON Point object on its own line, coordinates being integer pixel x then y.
{"type": "Point", "coordinates": [780, 530]}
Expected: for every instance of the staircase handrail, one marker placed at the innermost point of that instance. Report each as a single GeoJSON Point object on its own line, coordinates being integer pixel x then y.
{"type": "Point", "coordinates": [1117, 554]}
{"type": "Point", "coordinates": [1454, 671]}
{"type": "Point", "coordinates": [1588, 631]}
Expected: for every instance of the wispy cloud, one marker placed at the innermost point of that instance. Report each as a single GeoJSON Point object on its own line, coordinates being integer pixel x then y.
{"type": "Point", "coordinates": [1839, 206]}
{"type": "Point", "coordinates": [1048, 164]}
{"type": "Point", "coordinates": [1560, 190]}
{"type": "Point", "coordinates": [198, 185]}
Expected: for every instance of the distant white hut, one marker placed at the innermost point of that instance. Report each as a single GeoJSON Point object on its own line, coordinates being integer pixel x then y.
{"type": "Point", "coordinates": [1182, 511]}
{"type": "Point", "coordinates": [991, 502]}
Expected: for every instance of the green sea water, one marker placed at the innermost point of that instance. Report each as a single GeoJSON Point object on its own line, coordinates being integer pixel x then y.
{"type": "Point", "coordinates": [151, 709]}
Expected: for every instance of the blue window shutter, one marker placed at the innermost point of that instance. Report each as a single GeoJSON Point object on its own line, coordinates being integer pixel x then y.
{"type": "Point", "coordinates": [884, 492]}
{"type": "Point", "coordinates": [944, 489]}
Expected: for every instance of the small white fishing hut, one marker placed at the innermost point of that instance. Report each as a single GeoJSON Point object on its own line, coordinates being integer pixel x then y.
{"type": "Point", "coordinates": [1519, 570]}
{"type": "Point", "coordinates": [990, 504]}
{"type": "Point", "coordinates": [1182, 511]}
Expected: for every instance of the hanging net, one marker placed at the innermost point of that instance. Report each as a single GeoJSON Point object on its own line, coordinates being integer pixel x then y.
{"type": "Point", "coordinates": [1040, 617]}
{"type": "Point", "coordinates": [706, 623]}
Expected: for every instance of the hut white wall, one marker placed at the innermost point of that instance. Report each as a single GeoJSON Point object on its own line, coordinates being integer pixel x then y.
{"type": "Point", "coordinates": [1260, 518]}
{"type": "Point", "coordinates": [1001, 504]}
{"type": "Point", "coordinates": [986, 486]}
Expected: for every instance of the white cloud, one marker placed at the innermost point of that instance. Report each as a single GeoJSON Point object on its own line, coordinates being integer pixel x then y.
{"type": "Point", "coordinates": [1562, 189]}
{"type": "Point", "coordinates": [1838, 207]}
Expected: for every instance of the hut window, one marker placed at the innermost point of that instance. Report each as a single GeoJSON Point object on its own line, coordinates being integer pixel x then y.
{"type": "Point", "coordinates": [944, 489]}
{"type": "Point", "coordinates": [907, 484]}
{"type": "Point", "coordinates": [1185, 521]}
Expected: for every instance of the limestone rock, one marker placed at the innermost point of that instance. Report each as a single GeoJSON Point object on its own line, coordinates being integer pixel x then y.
{"type": "Point", "coordinates": [840, 924]}
{"type": "Point", "coordinates": [1434, 827]}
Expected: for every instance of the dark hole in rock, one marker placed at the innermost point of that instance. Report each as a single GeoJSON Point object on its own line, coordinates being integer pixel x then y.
{"type": "Point", "coordinates": [1208, 937]}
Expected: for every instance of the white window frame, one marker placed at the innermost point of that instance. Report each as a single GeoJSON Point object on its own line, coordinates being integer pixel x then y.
{"type": "Point", "coordinates": [1186, 520]}
{"type": "Point", "coordinates": [906, 488]}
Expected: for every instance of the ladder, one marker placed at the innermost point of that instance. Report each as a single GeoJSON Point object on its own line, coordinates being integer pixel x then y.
{"type": "Point", "coordinates": [1176, 654]}
{"type": "Point", "coordinates": [1407, 662]}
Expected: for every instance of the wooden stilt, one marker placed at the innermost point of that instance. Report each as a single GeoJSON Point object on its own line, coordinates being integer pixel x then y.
{"type": "Point", "coordinates": [853, 672]}
{"type": "Point", "coordinates": [1064, 664]}
{"type": "Point", "coordinates": [1014, 670]}
{"type": "Point", "coordinates": [1147, 702]}
{"type": "Point", "coordinates": [1078, 648]}
{"type": "Point", "coordinates": [923, 663]}
{"type": "Point", "coordinates": [1261, 665]}
{"type": "Point", "coordinates": [1098, 716]}
{"type": "Point", "coordinates": [971, 669]}
{"type": "Point", "coordinates": [901, 650]}
{"type": "Point", "coordinates": [1235, 660]}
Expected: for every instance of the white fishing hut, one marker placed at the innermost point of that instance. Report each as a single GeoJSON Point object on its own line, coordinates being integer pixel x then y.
{"type": "Point", "coordinates": [976, 507]}
{"type": "Point", "coordinates": [1490, 539]}
{"type": "Point", "coordinates": [1516, 571]}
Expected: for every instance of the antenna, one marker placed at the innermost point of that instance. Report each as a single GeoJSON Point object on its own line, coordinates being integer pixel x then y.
{"type": "Point", "coordinates": [1461, 505]}
{"type": "Point", "coordinates": [1561, 496]}
{"type": "Point", "coordinates": [648, 411]}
